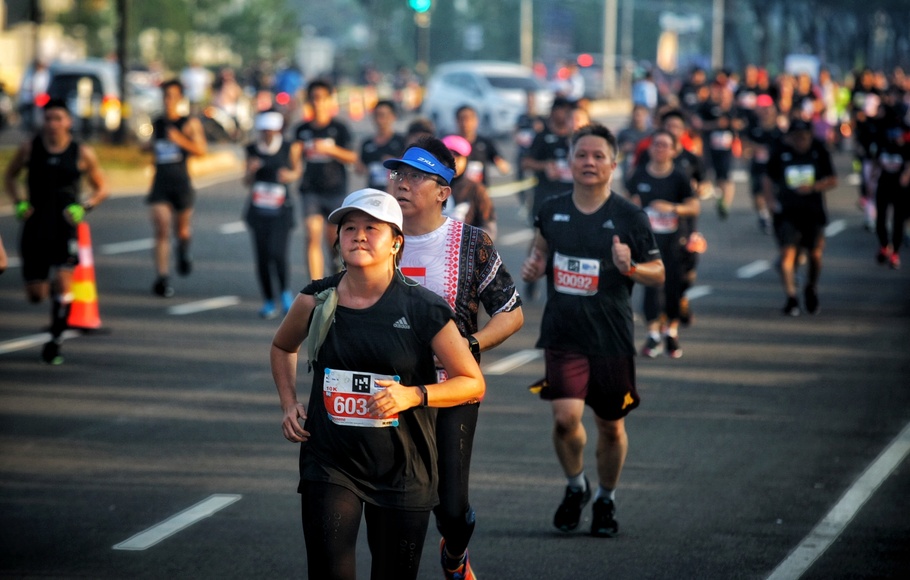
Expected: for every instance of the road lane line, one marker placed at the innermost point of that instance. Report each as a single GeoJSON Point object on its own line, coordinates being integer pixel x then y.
{"type": "Point", "coordinates": [826, 532]}
{"type": "Point", "coordinates": [835, 227]}
{"type": "Point", "coordinates": [754, 269]}
{"type": "Point", "coordinates": [232, 227]}
{"type": "Point", "coordinates": [178, 522]}
{"type": "Point", "coordinates": [696, 292]}
{"type": "Point", "coordinates": [511, 188]}
{"type": "Point", "coordinates": [127, 247]}
{"type": "Point", "coordinates": [512, 362]}
{"type": "Point", "coordinates": [203, 305]}
{"type": "Point", "coordinates": [515, 238]}
{"type": "Point", "coordinates": [32, 340]}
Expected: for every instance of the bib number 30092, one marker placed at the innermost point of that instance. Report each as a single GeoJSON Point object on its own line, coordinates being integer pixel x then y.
{"type": "Point", "coordinates": [346, 396]}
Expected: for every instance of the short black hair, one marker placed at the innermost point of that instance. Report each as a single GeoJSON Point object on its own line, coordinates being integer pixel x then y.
{"type": "Point", "coordinates": [562, 103]}
{"type": "Point", "coordinates": [421, 125]}
{"type": "Point", "coordinates": [56, 104]}
{"type": "Point", "coordinates": [596, 130]}
{"type": "Point", "coordinates": [438, 149]}
{"type": "Point", "coordinates": [387, 103]}
{"type": "Point", "coordinates": [171, 83]}
{"type": "Point", "coordinates": [316, 84]}
{"type": "Point", "coordinates": [463, 108]}
{"type": "Point", "coordinates": [672, 113]}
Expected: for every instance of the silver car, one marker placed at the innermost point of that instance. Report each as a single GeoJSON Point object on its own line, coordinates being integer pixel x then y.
{"type": "Point", "coordinates": [496, 90]}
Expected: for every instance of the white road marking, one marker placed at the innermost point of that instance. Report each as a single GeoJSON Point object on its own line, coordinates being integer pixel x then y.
{"type": "Point", "coordinates": [32, 340]}
{"type": "Point", "coordinates": [512, 362]}
{"type": "Point", "coordinates": [515, 238]}
{"type": "Point", "coordinates": [754, 269]}
{"type": "Point", "coordinates": [232, 228]}
{"type": "Point", "coordinates": [835, 227]}
{"type": "Point", "coordinates": [854, 179]}
{"type": "Point", "coordinates": [696, 292]}
{"type": "Point", "coordinates": [740, 176]}
{"type": "Point", "coordinates": [511, 188]}
{"type": "Point", "coordinates": [826, 532]}
{"type": "Point", "coordinates": [13, 262]}
{"type": "Point", "coordinates": [177, 522]}
{"type": "Point", "coordinates": [203, 305]}
{"type": "Point", "coordinates": [127, 247]}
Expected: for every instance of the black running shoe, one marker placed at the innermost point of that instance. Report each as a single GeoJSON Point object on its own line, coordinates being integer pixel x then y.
{"type": "Point", "coordinates": [50, 354]}
{"type": "Point", "coordinates": [673, 350]}
{"type": "Point", "coordinates": [791, 308]}
{"type": "Point", "coordinates": [569, 512]}
{"type": "Point", "coordinates": [184, 261]}
{"type": "Point", "coordinates": [162, 288]}
{"type": "Point", "coordinates": [652, 347]}
{"type": "Point", "coordinates": [603, 522]}
{"type": "Point", "coordinates": [811, 297]}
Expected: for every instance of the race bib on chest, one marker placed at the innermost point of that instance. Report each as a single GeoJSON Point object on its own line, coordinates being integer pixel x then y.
{"type": "Point", "coordinates": [268, 195]}
{"type": "Point", "coordinates": [662, 223]}
{"type": "Point", "coordinates": [796, 176]}
{"type": "Point", "coordinates": [474, 171]}
{"type": "Point", "coordinates": [563, 171]}
{"type": "Point", "coordinates": [378, 173]}
{"type": "Point", "coordinates": [525, 137]}
{"type": "Point", "coordinates": [346, 395]}
{"type": "Point", "coordinates": [166, 151]}
{"type": "Point", "coordinates": [314, 156]}
{"type": "Point", "coordinates": [577, 276]}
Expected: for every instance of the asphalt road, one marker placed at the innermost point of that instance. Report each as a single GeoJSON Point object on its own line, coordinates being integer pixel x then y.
{"type": "Point", "coordinates": [739, 449]}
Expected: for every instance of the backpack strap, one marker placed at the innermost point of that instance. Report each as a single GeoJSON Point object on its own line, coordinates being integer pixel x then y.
{"type": "Point", "coordinates": [323, 317]}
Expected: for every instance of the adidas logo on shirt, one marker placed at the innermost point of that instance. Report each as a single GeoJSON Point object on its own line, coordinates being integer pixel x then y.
{"type": "Point", "coordinates": [609, 225]}
{"type": "Point", "coordinates": [402, 323]}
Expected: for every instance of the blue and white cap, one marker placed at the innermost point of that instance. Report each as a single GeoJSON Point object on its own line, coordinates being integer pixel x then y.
{"type": "Point", "coordinates": [423, 160]}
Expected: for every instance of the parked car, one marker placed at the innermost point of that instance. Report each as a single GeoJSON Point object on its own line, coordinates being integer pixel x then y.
{"type": "Point", "coordinates": [496, 90]}
{"type": "Point", "coordinates": [91, 90]}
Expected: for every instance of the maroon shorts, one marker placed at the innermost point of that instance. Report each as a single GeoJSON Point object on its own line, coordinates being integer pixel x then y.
{"type": "Point", "coordinates": [606, 384]}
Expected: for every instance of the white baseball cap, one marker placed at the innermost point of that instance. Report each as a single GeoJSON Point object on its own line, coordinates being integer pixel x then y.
{"type": "Point", "coordinates": [269, 121]}
{"type": "Point", "coordinates": [374, 202]}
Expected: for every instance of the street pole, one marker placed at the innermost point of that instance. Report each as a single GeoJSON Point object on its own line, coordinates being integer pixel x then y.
{"type": "Point", "coordinates": [122, 19]}
{"type": "Point", "coordinates": [609, 64]}
{"type": "Point", "coordinates": [717, 35]}
{"type": "Point", "coordinates": [527, 33]}
{"type": "Point", "coordinates": [422, 20]}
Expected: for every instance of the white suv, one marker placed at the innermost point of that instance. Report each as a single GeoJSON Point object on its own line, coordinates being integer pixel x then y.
{"type": "Point", "coordinates": [496, 90]}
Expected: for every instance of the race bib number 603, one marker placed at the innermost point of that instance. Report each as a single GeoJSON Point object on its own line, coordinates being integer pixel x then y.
{"type": "Point", "coordinates": [578, 276]}
{"type": "Point", "coordinates": [346, 395]}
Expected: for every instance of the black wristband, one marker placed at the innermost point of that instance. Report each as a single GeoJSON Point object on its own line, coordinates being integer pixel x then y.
{"type": "Point", "coordinates": [475, 347]}
{"type": "Point", "coordinates": [423, 389]}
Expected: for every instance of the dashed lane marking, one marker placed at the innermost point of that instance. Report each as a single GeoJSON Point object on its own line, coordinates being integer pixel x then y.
{"type": "Point", "coordinates": [754, 269]}
{"type": "Point", "coordinates": [835, 227]}
{"type": "Point", "coordinates": [204, 509]}
{"type": "Point", "coordinates": [512, 362]}
{"type": "Point", "coordinates": [203, 305]}
{"type": "Point", "coordinates": [32, 340]}
{"type": "Point", "coordinates": [826, 532]}
{"type": "Point", "coordinates": [127, 247]}
{"type": "Point", "coordinates": [232, 228]}
{"type": "Point", "coordinates": [515, 238]}
{"type": "Point", "coordinates": [696, 292]}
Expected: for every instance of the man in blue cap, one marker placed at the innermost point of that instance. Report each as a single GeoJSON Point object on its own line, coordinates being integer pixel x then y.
{"type": "Point", "coordinates": [459, 263]}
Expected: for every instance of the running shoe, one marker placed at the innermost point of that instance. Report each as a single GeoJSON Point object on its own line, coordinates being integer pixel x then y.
{"type": "Point", "coordinates": [268, 310]}
{"type": "Point", "coordinates": [884, 255]}
{"type": "Point", "coordinates": [791, 308]}
{"type": "Point", "coordinates": [723, 212]}
{"type": "Point", "coordinates": [603, 521]}
{"type": "Point", "coordinates": [184, 260]}
{"type": "Point", "coordinates": [569, 512]}
{"type": "Point", "coordinates": [287, 299]}
{"type": "Point", "coordinates": [764, 225]}
{"type": "Point", "coordinates": [162, 287]}
{"type": "Point", "coordinates": [685, 312]}
{"type": "Point", "coordinates": [895, 261]}
{"type": "Point", "coordinates": [673, 350]}
{"type": "Point", "coordinates": [652, 348]}
{"type": "Point", "coordinates": [50, 354]}
{"type": "Point", "coordinates": [462, 572]}
{"type": "Point", "coordinates": [811, 298]}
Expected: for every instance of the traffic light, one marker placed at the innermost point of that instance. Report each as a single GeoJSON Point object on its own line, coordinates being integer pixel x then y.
{"type": "Point", "coordinates": [420, 6]}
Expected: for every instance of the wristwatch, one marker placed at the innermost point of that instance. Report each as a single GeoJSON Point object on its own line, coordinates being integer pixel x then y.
{"type": "Point", "coordinates": [475, 347]}
{"type": "Point", "coordinates": [633, 265]}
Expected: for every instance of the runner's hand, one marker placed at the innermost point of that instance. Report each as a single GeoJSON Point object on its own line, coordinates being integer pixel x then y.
{"type": "Point", "coordinates": [74, 213]}
{"type": "Point", "coordinates": [622, 255]}
{"type": "Point", "coordinates": [292, 425]}
{"type": "Point", "coordinates": [23, 210]}
{"type": "Point", "coordinates": [393, 398]}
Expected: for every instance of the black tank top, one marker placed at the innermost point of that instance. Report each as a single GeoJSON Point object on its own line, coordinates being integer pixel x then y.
{"type": "Point", "coordinates": [170, 159]}
{"type": "Point", "coordinates": [53, 178]}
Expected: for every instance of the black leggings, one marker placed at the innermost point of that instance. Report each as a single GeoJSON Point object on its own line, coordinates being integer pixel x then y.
{"type": "Point", "coordinates": [890, 193]}
{"type": "Point", "coordinates": [665, 298]}
{"type": "Point", "coordinates": [331, 519]}
{"type": "Point", "coordinates": [455, 428]}
{"type": "Point", "coordinates": [270, 240]}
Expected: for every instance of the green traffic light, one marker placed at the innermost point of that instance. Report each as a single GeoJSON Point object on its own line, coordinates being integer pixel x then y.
{"type": "Point", "coordinates": [420, 5]}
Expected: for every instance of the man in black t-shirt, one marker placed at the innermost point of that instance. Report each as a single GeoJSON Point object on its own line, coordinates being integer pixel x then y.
{"type": "Point", "coordinates": [799, 173]}
{"type": "Point", "coordinates": [483, 150]}
{"type": "Point", "coordinates": [593, 245]}
{"type": "Point", "coordinates": [326, 151]}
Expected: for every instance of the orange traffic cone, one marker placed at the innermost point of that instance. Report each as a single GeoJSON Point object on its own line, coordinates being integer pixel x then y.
{"type": "Point", "coordinates": [84, 310]}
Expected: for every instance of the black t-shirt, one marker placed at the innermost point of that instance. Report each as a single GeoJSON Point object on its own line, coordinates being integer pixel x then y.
{"type": "Point", "coordinates": [667, 227]}
{"type": "Point", "coordinates": [372, 155]}
{"type": "Point", "coordinates": [483, 153]}
{"type": "Point", "coordinates": [764, 140]}
{"type": "Point", "coordinates": [392, 467]}
{"type": "Point", "coordinates": [268, 197]}
{"type": "Point", "coordinates": [171, 173]}
{"type": "Point", "coordinates": [548, 146]}
{"type": "Point", "coordinates": [588, 306]}
{"type": "Point", "coordinates": [53, 180]}
{"type": "Point", "coordinates": [323, 175]}
{"type": "Point", "coordinates": [789, 168]}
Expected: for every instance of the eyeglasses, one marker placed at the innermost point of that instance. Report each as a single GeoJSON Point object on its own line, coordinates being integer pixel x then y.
{"type": "Point", "coordinates": [414, 178]}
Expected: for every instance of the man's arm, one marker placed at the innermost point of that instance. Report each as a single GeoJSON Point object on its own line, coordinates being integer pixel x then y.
{"type": "Point", "coordinates": [11, 176]}
{"type": "Point", "coordinates": [647, 273]}
{"type": "Point", "coordinates": [91, 167]}
{"type": "Point", "coordinates": [192, 138]}
{"type": "Point", "coordinates": [498, 328]}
